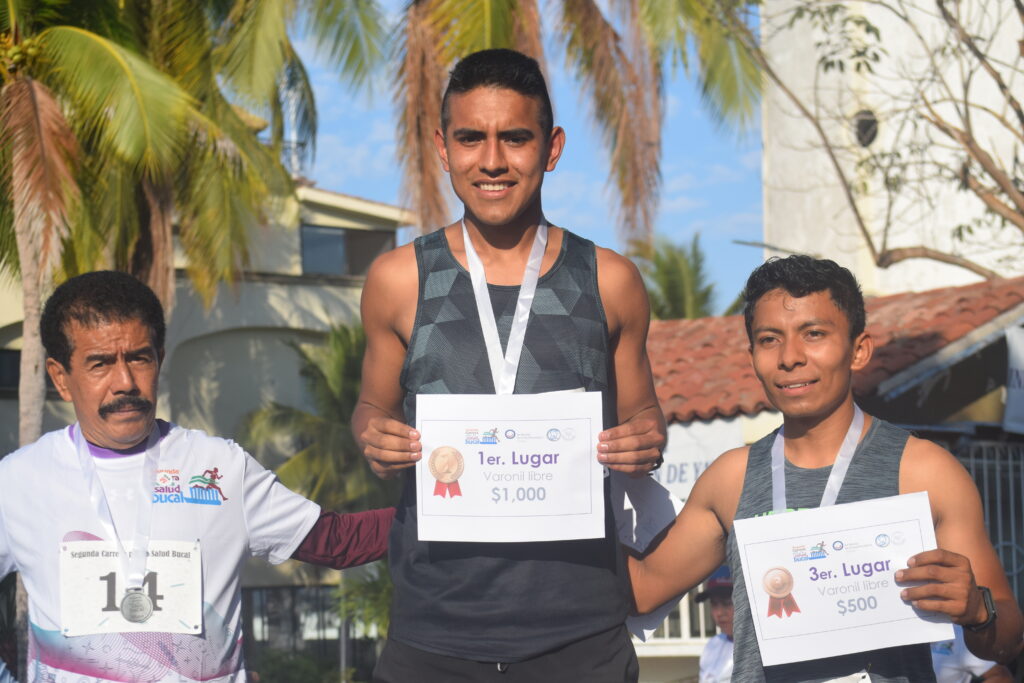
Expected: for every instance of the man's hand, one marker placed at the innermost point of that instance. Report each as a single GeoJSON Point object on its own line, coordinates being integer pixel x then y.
{"type": "Point", "coordinates": [390, 446]}
{"type": "Point", "coordinates": [950, 589]}
{"type": "Point", "coordinates": [633, 447]}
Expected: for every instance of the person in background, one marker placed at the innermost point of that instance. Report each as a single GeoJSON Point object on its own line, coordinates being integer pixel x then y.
{"type": "Point", "coordinates": [716, 659]}
{"type": "Point", "coordinates": [954, 663]}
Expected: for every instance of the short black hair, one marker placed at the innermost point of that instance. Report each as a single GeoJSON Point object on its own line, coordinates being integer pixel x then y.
{"type": "Point", "coordinates": [499, 68]}
{"type": "Point", "coordinates": [92, 299]}
{"type": "Point", "coordinates": [800, 276]}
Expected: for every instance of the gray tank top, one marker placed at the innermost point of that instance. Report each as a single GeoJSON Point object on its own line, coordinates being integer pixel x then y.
{"type": "Point", "coordinates": [874, 473]}
{"type": "Point", "coordinates": [504, 602]}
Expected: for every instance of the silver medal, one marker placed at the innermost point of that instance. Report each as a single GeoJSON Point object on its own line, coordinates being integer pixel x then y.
{"type": "Point", "coordinates": [136, 606]}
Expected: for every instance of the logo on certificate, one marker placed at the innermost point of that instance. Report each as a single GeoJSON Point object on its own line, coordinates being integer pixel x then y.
{"type": "Point", "coordinates": [446, 466]}
{"type": "Point", "coordinates": [778, 584]}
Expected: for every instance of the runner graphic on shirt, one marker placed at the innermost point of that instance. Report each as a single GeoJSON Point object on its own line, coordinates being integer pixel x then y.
{"type": "Point", "coordinates": [208, 480]}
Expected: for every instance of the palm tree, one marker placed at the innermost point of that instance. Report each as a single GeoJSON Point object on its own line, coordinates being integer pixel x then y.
{"type": "Point", "coordinates": [677, 284]}
{"type": "Point", "coordinates": [227, 178]}
{"type": "Point", "coordinates": [64, 87]}
{"type": "Point", "coordinates": [617, 59]}
{"type": "Point", "coordinates": [327, 465]}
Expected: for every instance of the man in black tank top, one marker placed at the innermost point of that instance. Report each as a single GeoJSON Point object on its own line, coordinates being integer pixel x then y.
{"type": "Point", "coordinates": [533, 611]}
{"type": "Point", "coordinates": [805, 322]}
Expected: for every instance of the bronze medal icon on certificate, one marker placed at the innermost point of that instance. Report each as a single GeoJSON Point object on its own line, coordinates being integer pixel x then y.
{"type": "Point", "coordinates": [778, 584]}
{"type": "Point", "coordinates": [446, 466]}
{"type": "Point", "coordinates": [136, 606]}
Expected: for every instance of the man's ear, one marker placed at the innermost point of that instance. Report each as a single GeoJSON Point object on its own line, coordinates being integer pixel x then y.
{"type": "Point", "coordinates": [442, 150]}
{"type": "Point", "coordinates": [59, 375]}
{"type": "Point", "coordinates": [863, 348]}
{"type": "Point", "coordinates": [556, 144]}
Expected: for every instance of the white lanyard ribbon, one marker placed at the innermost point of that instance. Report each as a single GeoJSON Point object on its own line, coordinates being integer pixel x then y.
{"type": "Point", "coordinates": [835, 478]}
{"type": "Point", "coordinates": [133, 568]}
{"type": "Point", "coordinates": [504, 369]}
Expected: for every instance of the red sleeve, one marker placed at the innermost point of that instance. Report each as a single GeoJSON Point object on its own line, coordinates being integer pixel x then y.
{"type": "Point", "coordinates": [346, 540]}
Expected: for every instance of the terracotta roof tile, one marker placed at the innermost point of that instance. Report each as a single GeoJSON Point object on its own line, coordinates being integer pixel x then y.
{"type": "Point", "coordinates": [702, 367]}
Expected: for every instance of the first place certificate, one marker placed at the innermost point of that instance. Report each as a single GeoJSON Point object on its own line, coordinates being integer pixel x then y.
{"type": "Point", "coordinates": [509, 468]}
{"type": "Point", "coordinates": [821, 582]}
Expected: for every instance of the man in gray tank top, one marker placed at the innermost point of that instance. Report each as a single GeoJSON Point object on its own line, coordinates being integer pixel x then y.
{"type": "Point", "coordinates": [531, 611]}
{"type": "Point", "coordinates": [805, 322]}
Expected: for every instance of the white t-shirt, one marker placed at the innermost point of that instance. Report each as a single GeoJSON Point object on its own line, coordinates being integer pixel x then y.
{"type": "Point", "coordinates": [716, 660]}
{"type": "Point", "coordinates": [44, 500]}
{"type": "Point", "coordinates": [954, 663]}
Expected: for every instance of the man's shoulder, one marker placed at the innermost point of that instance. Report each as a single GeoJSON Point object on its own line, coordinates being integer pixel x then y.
{"type": "Point", "coordinates": [49, 445]}
{"type": "Point", "coordinates": [197, 438]}
{"type": "Point", "coordinates": [393, 270]}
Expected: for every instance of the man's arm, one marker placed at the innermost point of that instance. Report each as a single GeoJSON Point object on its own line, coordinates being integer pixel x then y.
{"type": "Point", "coordinates": [694, 545]}
{"type": "Point", "coordinates": [634, 446]}
{"type": "Point", "coordinates": [388, 444]}
{"type": "Point", "coordinates": [965, 558]}
{"type": "Point", "coordinates": [340, 540]}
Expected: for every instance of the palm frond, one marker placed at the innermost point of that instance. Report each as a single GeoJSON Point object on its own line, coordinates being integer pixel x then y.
{"type": "Point", "coordinates": [526, 31]}
{"type": "Point", "coordinates": [295, 84]}
{"type": "Point", "coordinates": [42, 149]}
{"type": "Point", "coordinates": [254, 47]}
{"type": "Point", "coordinates": [676, 278]}
{"type": "Point", "coordinates": [418, 90]}
{"type": "Point", "coordinates": [622, 92]}
{"type": "Point", "coordinates": [729, 79]}
{"type": "Point", "coordinates": [122, 102]}
{"type": "Point", "coordinates": [468, 26]}
{"type": "Point", "coordinates": [351, 34]}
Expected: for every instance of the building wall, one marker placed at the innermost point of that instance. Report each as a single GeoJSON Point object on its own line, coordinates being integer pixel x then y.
{"type": "Point", "coordinates": [805, 209]}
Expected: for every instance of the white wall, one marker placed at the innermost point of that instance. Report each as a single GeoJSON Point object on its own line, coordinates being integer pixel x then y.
{"type": "Point", "coordinates": [804, 206]}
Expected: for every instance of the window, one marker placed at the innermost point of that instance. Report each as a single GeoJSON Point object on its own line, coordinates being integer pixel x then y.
{"type": "Point", "coordinates": [323, 251]}
{"type": "Point", "coordinates": [340, 252]}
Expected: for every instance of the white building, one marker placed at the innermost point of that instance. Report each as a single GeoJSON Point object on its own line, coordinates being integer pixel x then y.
{"type": "Point", "coordinates": [805, 206]}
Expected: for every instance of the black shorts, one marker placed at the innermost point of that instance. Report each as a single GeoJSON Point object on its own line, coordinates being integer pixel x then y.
{"type": "Point", "coordinates": [607, 657]}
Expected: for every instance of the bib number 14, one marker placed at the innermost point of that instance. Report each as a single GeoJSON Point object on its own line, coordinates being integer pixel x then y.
{"type": "Point", "coordinates": [115, 593]}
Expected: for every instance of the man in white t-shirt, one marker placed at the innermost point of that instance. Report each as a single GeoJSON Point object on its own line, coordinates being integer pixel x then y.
{"type": "Point", "coordinates": [76, 502]}
{"type": "Point", "coordinates": [954, 663]}
{"type": "Point", "coordinates": [716, 659]}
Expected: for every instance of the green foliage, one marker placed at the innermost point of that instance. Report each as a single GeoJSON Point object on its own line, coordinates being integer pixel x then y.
{"type": "Point", "coordinates": [327, 465]}
{"type": "Point", "coordinates": [278, 666]}
{"type": "Point", "coordinates": [677, 283]}
{"type": "Point", "coordinates": [367, 597]}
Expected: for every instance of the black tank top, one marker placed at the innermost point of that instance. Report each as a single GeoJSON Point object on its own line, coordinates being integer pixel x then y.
{"type": "Point", "coordinates": [504, 602]}
{"type": "Point", "coordinates": [874, 473]}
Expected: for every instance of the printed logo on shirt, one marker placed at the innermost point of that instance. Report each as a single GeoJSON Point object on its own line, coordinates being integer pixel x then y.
{"type": "Point", "coordinates": [203, 489]}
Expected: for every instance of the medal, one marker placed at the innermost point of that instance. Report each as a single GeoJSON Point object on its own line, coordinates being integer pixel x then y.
{"type": "Point", "coordinates": [136, 606]}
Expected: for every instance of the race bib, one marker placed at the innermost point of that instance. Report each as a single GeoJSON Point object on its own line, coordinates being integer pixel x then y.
{"type": "Point", "coordinates": [92, 588]}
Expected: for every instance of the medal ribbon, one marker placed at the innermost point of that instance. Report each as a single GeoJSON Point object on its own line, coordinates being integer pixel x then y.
{"type": "Point", "coordinates": [835, 477]}
{"type": "Point", "coordinates": [132, 568]}
{"type": "Point", "coordinates": [504, 369]}
{"type": "Point", "coordinates": [452, 489]}
{"type": "Point", "coordinates": [776, 605]}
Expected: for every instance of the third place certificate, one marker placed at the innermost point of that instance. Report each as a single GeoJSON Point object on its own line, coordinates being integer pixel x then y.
{"type": "Point", "coordinates": [509, 468]}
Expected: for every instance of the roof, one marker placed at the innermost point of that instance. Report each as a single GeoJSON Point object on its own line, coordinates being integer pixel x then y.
{"type": "Point", "coordinates": [702, 367]}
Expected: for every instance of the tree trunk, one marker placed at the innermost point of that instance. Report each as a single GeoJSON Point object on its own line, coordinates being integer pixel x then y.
{"type": "Point", "coordinates": [153, 259]}
{"type": "Point", "coordinates": [32, 381]}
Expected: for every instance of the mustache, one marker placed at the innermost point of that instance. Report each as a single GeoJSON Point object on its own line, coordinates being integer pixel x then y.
{"type": "Point", "coordinates": [122, 402]}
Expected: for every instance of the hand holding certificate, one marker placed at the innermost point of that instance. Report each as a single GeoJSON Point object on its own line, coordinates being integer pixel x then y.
{"type": "Point", "coordinates": [509, 468]}
{"type": "Point", "coordinates": [821, 582]}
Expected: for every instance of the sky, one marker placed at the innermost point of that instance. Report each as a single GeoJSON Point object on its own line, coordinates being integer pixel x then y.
{"type": "Point", "coordinates": [711, 178]}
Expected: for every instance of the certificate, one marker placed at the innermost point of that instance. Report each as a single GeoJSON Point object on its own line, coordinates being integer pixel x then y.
{"type": "Point", "coordinates": [821, 582]}
{"type": "Point", "coordinates": [509, 468]}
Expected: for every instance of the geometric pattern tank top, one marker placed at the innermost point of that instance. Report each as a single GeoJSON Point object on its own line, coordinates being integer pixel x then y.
{"type": "Point", "coordinates": [504, 602]}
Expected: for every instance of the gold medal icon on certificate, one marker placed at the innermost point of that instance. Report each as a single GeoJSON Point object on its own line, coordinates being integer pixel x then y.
{"type": "Point", "coordinates": [778, 584]}
{"type": "Point", "coordinates": [446, 466]}
{"type": "Point", "coordinates": [136, 606]}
